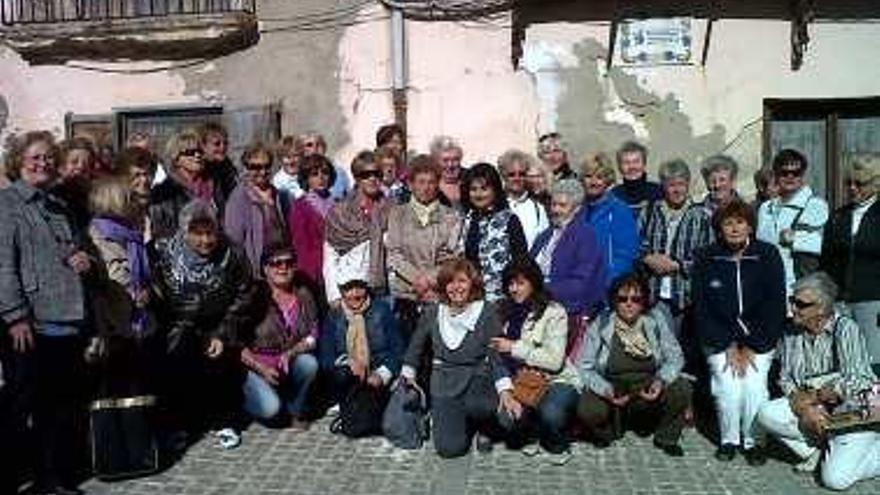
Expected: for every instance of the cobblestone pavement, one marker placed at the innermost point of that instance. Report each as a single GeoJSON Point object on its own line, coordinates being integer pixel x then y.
{"type": "Point", "coordinates": [275, 462]}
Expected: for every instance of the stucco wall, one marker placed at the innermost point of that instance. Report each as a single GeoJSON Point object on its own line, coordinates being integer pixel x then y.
{"type": "Point", "coordinates": [461, 83]}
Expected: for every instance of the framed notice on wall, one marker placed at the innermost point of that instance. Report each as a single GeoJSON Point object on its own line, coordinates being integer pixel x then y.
{"type": "Point", "coordinates": [656, 41]}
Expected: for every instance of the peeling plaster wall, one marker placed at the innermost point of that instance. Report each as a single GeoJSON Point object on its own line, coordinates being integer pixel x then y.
{"type": "Point", "coordinates": [461, 83]}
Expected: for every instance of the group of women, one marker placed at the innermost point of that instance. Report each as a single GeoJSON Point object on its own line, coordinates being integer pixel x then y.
{"type": "Point", "coordinates": [522, 295]}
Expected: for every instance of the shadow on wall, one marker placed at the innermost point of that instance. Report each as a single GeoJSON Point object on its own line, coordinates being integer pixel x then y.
{"type": "Point", "coordinates": [598, 112]}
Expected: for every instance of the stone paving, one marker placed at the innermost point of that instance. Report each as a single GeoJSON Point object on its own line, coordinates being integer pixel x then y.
{"type": "Point", "coordinates": [274, 462]}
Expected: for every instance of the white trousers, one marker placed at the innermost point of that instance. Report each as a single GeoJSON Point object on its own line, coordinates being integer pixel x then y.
{"type": "Point", "coordinates": [777, 419]}
{"type": "Point", "coordinates": [850, 458]}
{"type": "Point", "coordinates": [738, 398]}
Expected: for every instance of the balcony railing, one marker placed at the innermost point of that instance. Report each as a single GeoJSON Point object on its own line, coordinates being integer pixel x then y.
{"type": "Point", "coordinates": [57, 11]}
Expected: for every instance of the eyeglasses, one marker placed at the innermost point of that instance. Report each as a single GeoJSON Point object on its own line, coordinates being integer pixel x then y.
{"type": "Point", "coordinates": [516, 174]}
{"type": "Point", "coordinates": [257, 167]}
{"type": "Point", "coordinates": [800, 303]}
{"type": "Point", "coordinates": [45, 157]}
{"type": "Point", "coordinates": [622, 299]}
{"type": "Point", "coordinates": [369, 174]}
{"type": "Point", "coordinates": [319, 171]}
{"type": "Point", "coordinates": [281, 262]}
{"type": "Point", "coordinates": [193, 152]}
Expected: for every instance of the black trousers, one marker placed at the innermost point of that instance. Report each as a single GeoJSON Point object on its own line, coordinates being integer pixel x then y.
{"type": "Point", "coordinates": [200, 393]}
{"type": "Point", "coordinates": [456, 419]}
{"type": "Point", "coordinates": [47, 384]}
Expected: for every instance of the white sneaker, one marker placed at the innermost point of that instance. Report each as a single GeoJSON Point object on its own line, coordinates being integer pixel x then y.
{"type": "Point", "coordinates": [531, 450]}
{"type": "Point", "coordinates": [228, 438]}
{"type": "Point", "coordinates": [809, 464]}
{"type": "Point", "coordinates": [559, 459]}
{"type": "Point", "coordinates": [333, 411]}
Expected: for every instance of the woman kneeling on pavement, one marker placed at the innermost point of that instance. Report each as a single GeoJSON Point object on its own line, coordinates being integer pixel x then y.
{"type": "Point", "coordinates": [280, 360]}
{"type": "Point", "coordinates": [469, 382]}
{"type": "Point", "coordinates": [533, 349]}
{"type": "Point", "coordinates": [824, 364]}
{"type": "Point", "coordinates": [632, 370]}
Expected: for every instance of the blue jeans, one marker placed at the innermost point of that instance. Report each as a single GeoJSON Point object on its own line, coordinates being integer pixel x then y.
{"type": "Point", "coordinates": [263, 401]}
{"type": "Point", "coordinates": [553, 414]}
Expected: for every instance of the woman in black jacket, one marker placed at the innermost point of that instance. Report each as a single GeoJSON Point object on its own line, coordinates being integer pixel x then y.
{"type": "Point", "coordinates": [851, 249]}
{"type": "Point", "coordinates": [739, 301]}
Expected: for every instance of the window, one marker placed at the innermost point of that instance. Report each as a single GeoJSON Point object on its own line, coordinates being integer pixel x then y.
{"type": "Point", "coordinates": [826, 131]}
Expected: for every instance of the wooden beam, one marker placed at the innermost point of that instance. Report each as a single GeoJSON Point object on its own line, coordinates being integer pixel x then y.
{"type": "Point", "coordinates": [612, 40]}
{"type": "Point", "coordinates": [706, 39]}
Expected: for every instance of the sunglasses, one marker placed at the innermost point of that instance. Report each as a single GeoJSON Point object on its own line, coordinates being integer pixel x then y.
{"type": "Point", "coordinates": [800, 303]}
{"type": "Point", "coordinates": [621, 299]}
{"type": "Point", "coordinates": [517, 174]}
{"type": "Point", "coordinates": [193, 152]}
{"type": "Point", "coordinates": [281, 262]}
{"type": "Point", "coordinates": [788, 172]}
{"type": "Point", "coordinates": [319, 171]}
{"type": "Point", "coordinates": [856, 183]}
{"type": "Point", "coordinates": [369, 174]}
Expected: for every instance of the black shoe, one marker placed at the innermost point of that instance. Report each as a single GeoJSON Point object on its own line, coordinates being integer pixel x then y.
{"type": "Point", "coordinates": [60, 490]}
{"type": "Point", "coordinates": [484, 444]}
{"type": "Point", "coordinates": [601, 443]}
{"type": "Point", "coordinates": [726, 452]}
{"type": "Point", "coordinates": [670, 449]}
{"type": "Point", "coordinates": [755, 456]}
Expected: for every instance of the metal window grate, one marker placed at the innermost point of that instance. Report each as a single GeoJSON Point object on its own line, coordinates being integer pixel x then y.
{"type": "Point", "coordinates": [55, 11]}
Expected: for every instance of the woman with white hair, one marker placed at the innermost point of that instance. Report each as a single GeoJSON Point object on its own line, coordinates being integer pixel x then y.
{"type": "Point", "coordinates": [824, 364]}
{"type": "Point", "coordinates": [448, 154]}
{"type": "Point", "coordinates": [514, 166]}
{"type": "Point", "coordinates": [570, 258]}
{"type": "Point", "coordinates": [851, 249]}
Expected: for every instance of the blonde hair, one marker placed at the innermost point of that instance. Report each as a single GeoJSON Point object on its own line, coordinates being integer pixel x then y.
{"type": "Point", "coordinates": [865, 167]}
{"type": "Point", "coordinates": [181, 141]}
{"type": "Point", "coordinates": [110, 196]}
{"type": "Point", "coordinates": [600, 165]}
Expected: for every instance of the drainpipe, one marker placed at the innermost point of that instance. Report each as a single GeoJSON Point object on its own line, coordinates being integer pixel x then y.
{"type": "Point", "coordinates": [398, 67]}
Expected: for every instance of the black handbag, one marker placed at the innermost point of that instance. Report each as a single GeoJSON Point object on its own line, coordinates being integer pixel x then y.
{"type": "Point", "coordinates": [123, 437]}
{"type": "Point", "coordinates": [360, 412]}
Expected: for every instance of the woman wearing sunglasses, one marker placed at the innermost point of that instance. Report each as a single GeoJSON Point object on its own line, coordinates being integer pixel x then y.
{"type": "Point", "coordinates": [851, 249]}
{"type": "Point", "coordinates": [255, 213]}
{"type": "Point", "coordinates": [824, 364]}
{"type": "Point", "coordinates": [280, 360]}
{"type": "Point", "coordinates": [632, 369]}
{"type": "Point", "coordinates": [739, 311]}
{"type": "Point", "coordinates": [188, 179]}
{"type": "Point", "coordinates": [354, 248]}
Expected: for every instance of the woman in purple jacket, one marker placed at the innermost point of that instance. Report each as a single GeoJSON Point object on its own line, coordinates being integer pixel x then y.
{"type": "Point", "coordinates": [570, 258]}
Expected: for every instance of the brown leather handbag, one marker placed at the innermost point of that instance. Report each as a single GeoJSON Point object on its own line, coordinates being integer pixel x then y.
{"type": "Point", "coordinates": [529, 386]}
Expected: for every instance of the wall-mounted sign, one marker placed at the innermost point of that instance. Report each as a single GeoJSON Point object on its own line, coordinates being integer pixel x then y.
{"type": "Point", "coordinates": [656, 41]}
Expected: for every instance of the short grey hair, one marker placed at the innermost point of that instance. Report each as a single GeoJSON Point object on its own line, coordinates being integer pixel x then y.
{"type": "Point", "coordinates": [514, 156]}
{"type": "Point", "coordinates": [820, 283]}
{"type": "Point", "coordinates": [444, 143]}
{"type": "Point", "coordinates": [674, 169]}
{"type": "Point", "coordinates": [719, 163]}
{"type": "Point", "coordinates": [198, 211]}
{"type": "Point", "coordinates": [571, 188]}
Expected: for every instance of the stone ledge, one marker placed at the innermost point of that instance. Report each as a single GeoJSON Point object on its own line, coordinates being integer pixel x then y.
{"type": "Point", "coordinates": [172, 37]}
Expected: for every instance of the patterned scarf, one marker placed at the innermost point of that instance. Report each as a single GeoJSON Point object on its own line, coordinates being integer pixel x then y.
{"type": "Point", "coordinates": [356, 344]}
{"type": "Point", "coordinates": [633, 338]}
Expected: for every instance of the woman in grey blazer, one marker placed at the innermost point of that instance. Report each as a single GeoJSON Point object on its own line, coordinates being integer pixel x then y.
{"type": "Point", "coordinates": [468, 379]}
